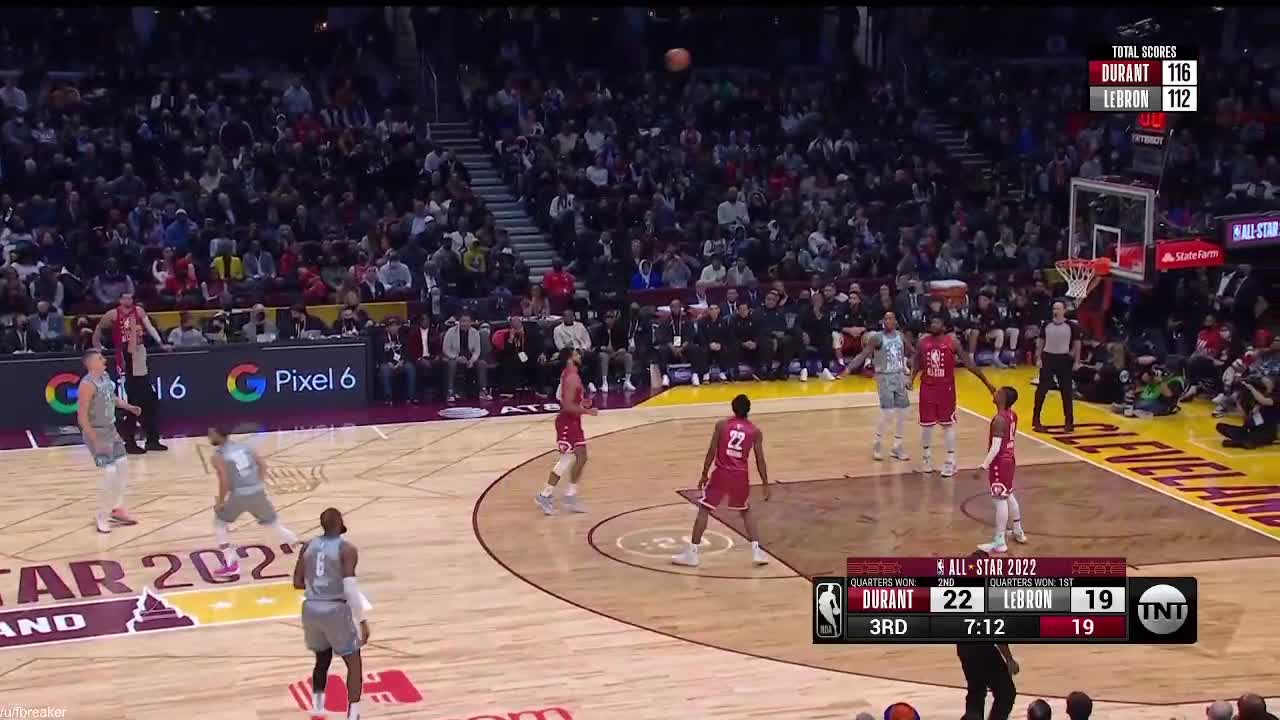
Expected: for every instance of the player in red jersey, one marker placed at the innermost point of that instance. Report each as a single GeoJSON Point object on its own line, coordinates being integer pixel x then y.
{"type": "Point", "coordinates": [1000, 465]}
{"type": "Point", "coordinates": [570, 440]}
{"type": "Point", "coordinates": [732, 441]}
{"type": "Point", "coordinates": [936, 361]}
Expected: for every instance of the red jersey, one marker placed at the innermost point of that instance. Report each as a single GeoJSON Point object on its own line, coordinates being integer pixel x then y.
{"type": "Point", "coordinates": [569, 434]}
{"type": "Point", "coordinates": [1006, 438]}
{"type": "Point", "coordinates": [579, 395]}
{"type": "Point", "coordinates": [735, 445]}
{"type": "Point", "coordinates": [938, 360]}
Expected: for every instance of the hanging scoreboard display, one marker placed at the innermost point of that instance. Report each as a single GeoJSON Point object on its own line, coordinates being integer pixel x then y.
{"type": "Point", "coordinates": [1143, 78]}
{"type": "Point", "coordinates": [1002, 600]}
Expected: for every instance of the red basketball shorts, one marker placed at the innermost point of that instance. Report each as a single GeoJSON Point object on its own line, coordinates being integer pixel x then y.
{"type": "Point", "coordinates": [569, 435]}
{"type": "Point", "coordinates": [1000, 477]}
{"type": "Point", "coordinates": [937, 406]}
{"type": "Point", "coordinates": [734, 485]}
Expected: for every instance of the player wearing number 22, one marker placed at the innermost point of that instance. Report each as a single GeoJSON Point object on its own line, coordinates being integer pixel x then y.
{"type": "Point", "coordinates": [1000, 465]}
{"type": "Point", "coordinates": [242, 488]}
{"type": "Point", "coordinates": [731, 442]}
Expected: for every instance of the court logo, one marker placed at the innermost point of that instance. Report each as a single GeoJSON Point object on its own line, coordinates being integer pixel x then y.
{"type": "Point", "coordinates": [828, 610]}
{"type": "Point", "coordinates": [389, 687]}
{"type": "Point", "coordinates": [1164, 610]}
{"type": "Point", "coordinates": [62, 391]}
{"type": "Point", "coordinates": [255, 386]}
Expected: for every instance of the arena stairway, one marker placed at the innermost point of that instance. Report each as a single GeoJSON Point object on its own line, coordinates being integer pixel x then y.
{"type": "Point", "coordinates": [955, 140]}
{"type": "Point", "coordinates": [530, 242]}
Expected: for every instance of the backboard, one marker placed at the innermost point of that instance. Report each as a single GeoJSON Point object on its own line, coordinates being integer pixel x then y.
{"type": "Point", "coordinates": [1117, 221]}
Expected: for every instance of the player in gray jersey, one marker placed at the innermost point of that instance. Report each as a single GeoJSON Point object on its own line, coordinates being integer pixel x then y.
{"type": "Point", "coordinates": [241, 489]}
{"type": "Point", "coordinates": [890, 353]}
{"type": "Point", "coordinates": [332, 607]}
{"type": "Point", "coordinates": [96, 404]}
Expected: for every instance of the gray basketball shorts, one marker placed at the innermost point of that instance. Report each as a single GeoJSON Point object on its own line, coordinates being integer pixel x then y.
{"type": "Point", "coordinates": [892, 389]}
{"type": "Point", "coordinates": [257, 505]}
{"type": "Point", "coordinates": [327, 625]}
{"type": "Point", "coordinates": [117, 447]}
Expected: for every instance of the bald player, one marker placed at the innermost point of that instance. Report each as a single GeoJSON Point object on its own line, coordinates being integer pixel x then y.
{"type": "Point", "coordinates": [332, 607]}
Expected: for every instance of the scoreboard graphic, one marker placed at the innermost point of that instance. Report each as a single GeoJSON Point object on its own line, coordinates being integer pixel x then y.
{"type": "Point", "coordinates": [1003, 600]}
{"type": "Point", "coordinates": [1143, 78]}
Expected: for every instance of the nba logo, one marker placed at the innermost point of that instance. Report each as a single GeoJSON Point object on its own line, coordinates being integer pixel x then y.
{"type": "Point", "coordinates": [1162, 610]}
{"type": "Point", "coordinates": [828, 609]}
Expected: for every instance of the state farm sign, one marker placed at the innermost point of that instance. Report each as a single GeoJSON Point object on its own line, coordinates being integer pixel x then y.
{"type": "Point", "coordinates": [1251, 230]}
{"type": "Point", "coordinates": [1188, 254]}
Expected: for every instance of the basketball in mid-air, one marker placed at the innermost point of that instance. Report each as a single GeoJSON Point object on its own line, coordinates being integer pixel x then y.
{"type": "Point", "coordinates": [678, 59]}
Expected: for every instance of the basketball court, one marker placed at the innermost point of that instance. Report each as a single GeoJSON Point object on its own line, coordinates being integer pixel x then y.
{"type": "Point", "coordinates": [484, 608]}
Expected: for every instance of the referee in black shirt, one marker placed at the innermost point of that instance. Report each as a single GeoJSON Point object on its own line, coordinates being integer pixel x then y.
{"type": "Point", "coordinates": [988, 666]}
{"type": "Point", "coordinates": [1057, 356]}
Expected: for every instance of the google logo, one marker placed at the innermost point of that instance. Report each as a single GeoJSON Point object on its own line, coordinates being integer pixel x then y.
{"type": "Point", "coordinates": [69, 381]}
{"type": "Point", "coordinates": [257, 386]}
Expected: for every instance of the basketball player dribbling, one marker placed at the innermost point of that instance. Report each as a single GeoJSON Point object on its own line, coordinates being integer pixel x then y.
{"type": "Point", "coordinates": [570, 439]}
{"type": "Point", "coordinates": [732, 441]}
{"type": "Point", "coordinates": [936, 365]}
{"type": "Point", "coordinates": [96, 403]}
{"type": "Point", "coordinates": [1000, 465]}
{"type": "Point", "coordinates": [889, 350]}
{"type": "Point", "coordinates": [332, 607]}
{"type": "Point", "coordinates": [241, 489]}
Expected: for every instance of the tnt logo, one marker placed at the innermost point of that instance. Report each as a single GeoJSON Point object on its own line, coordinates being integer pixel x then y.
{"type": "Point", "coordinates": [1162, 610]}
{"type": "Point", "coordinates": [389, 687]}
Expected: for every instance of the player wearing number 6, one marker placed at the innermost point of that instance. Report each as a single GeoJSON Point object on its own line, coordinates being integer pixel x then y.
{"type": "Point", "coordinates": [999, 465]}
{"type": "Point", "coordinates": [731, 442]}
{"type": "Point", "coordinates": [241, 489]}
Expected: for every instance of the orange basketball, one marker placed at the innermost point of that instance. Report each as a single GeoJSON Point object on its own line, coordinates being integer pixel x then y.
{"type": "Point", "coordinates": [678, 59]}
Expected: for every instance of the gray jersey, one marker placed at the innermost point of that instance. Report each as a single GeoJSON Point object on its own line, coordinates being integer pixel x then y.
{"type": "Point", "coordinates": [102, 409]}
{"type": "Point", "coordinates": [322, 566]}
{"type": "Point", "coordinates": [891, 354]}
{"type": "Point", "coordinates": [242, 469]}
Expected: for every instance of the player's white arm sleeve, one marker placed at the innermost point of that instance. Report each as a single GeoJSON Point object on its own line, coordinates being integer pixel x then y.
{"type": "Point", "coordinates": [986, 462]}
{"type": "Point", "coordinates": [356, 600]}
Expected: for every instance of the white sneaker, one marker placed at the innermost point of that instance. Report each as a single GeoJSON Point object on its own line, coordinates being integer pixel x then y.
{"type": "Point", "coordinates": [695, 379]}
{"type": "Point", "coordinates": [877, 452]}
{"type": "Point", "coordinates": [627, 386]}
{"type": "Point", "coordinates": [104, 525]}
{"type": "Point", "coordinates": [688, 558]}
{"type": "Point", "coordinates": [926, 463]}
{"type": "Point", "coordinates": [604, 387]}
{"type": "Point", "coordinates": [993, 548]}
{"type": "Point", "coordinates": [804, 374]}
{"type": "Point", "coordinates": [706, 377]}
{"type": "Point", "coordinates": [999, 363]}
{"type": "Point", "coordinates": [591, 388]}
{"type": "Point", "coordinates": [826, 375]}
{"type": "Point", "coordinates": [758, 557]}
{"type": "Point", "coordinates": [949, 468]}
{"type": "Point", "coordinates": [666, 381]}
{"type": "Point", "coordinates": [899, 453]}
{"type": "Point", "coordinates": [1020, 538]}
{"type": "Point", "coordinates": [1219, 399]}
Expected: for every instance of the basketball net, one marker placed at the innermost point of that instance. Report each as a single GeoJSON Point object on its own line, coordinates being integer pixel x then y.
{"type": "Point", "coordinates": [1079, 274]}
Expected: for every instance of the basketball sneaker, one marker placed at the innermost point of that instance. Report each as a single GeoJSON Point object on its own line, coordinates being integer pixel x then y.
{"type": "Point", "coordinates": [604, 387]}
{"type": "Point", "coordinates": [695, 380]}
{"type": "Point", "coordinates": [757, 556]}
{"type": "Point", "coordinates": [949, 467]}
{"type": "Point", "coordinates": [627, 386]}
{"type": "Point", "coordinates": [100, 520]}
{"type": "Point", "coordinates": [573, 504]}
{"type": "Point", "coordinates": [994, 548]}
{"type": "Point", "coordinates": [899, 453]}
{"type": "Point", "coordinates": [666, 381]}
{"type": "Point", "coordinates": [120, 517]}
{"type": "Point", "coordinates": [804, 374]}
{"type": "Point", "coordinates": [826, 375]}
{"type": "Point", "coordinates": [546, 502]}
{"type": "Point", "coordinates": [232, 569]}
{"type": "Point", "coordinates": [877, 452]}
{"type": "Point", "coordinates": [688, 558]}
{"type": "Point", "coordinates": [1020, 537]}
{"type": "Point", "coordinates": [926, 462]}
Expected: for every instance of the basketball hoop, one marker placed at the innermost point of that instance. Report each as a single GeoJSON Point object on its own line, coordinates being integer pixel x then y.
{"type": "Point", "coordinates": [1079, 273]}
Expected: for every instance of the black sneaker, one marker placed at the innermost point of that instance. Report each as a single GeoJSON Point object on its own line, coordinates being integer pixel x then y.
{"type": "Point", "coordinates": [133, 449]}
{"type": "Point", "coordinates": [156, 447]}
